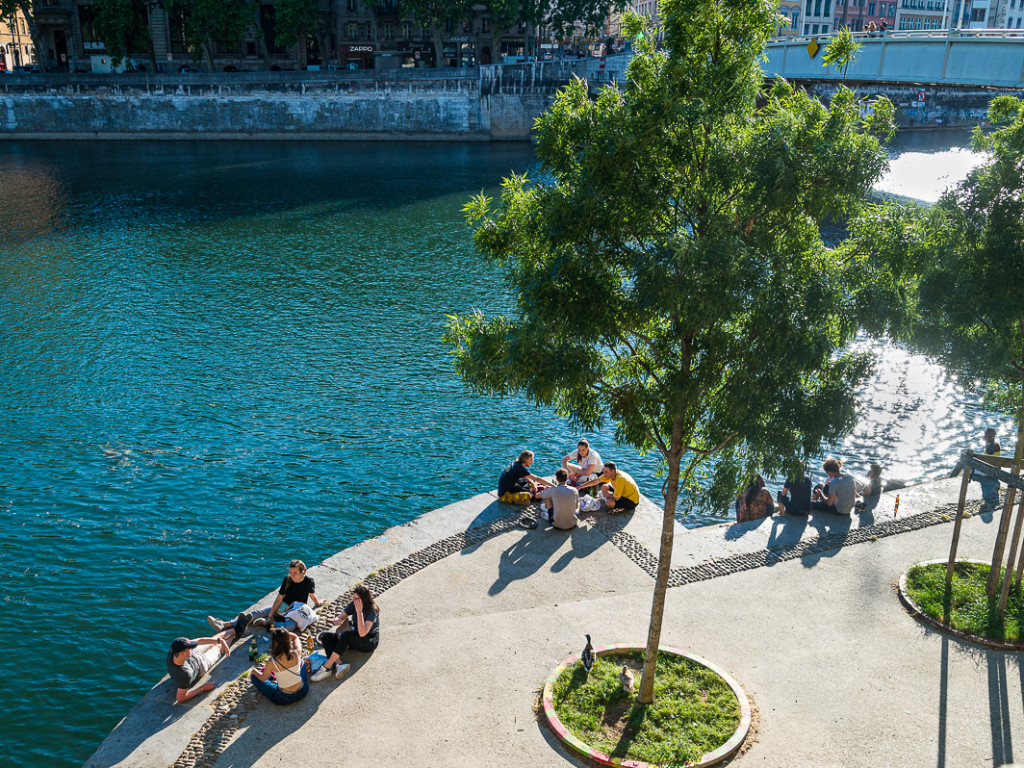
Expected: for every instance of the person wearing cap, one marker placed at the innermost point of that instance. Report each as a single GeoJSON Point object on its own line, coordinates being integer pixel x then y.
{"type": "Point", "coordinates": [583, 464]}
{"type": "Point", "coordinates": [619, 490]}
{"type": "Point", "coordinates": [187, 666]}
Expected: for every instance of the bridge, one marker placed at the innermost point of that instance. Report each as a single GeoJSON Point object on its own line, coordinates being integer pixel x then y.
{"type": "Point", "coordinates": [980, 58]}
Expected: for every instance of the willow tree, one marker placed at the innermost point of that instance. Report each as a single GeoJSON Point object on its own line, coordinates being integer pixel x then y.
{"type": "Point", "coordinates": [667, 265]}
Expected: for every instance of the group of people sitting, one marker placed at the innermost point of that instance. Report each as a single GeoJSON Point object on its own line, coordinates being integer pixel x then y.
{"type": "Point", "coordinates": [284, 677]}
{"type": "Point", "coordinates": [581, 469]}
{"type": "Point", "coordinates": [839, 493]}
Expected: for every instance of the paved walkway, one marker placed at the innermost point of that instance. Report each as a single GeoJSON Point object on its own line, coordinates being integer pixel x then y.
{"type": "Point", "coordinates": [810, 625]}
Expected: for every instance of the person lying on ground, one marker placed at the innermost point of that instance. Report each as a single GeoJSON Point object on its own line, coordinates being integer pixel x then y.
{"type": "Point", "coordinates": [517, 477]}
{"type": "Point", "coordinates": [290, 681]}
{"type": "Point", "coordinates": [840, 493]}
{"type": "Point", "coordinates": [296, 587]}
{"type": "Point", "coordinates": [561, 502]}
{"type": "Point", "coordinates": [583, 464]}
{"type": "Point", "coordinates": [795, 496]}
{"type": "Point", "coordinates": [755, 501]}
{"type": "Point", "coordinates": [359, 628]}
{"type": "Point", "coordinates": [619, 491]}
{"type": "Point", "coordinates": [187, 666]}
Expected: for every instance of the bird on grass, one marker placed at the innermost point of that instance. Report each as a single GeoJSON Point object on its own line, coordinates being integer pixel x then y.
{"type": "Point", "coordinates": [626, 678]}
{"type": "Point", "coordinates": [587, 657]}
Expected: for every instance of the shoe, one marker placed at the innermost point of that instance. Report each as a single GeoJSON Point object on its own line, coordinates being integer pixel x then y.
{"type": "Point", "coordinates": [322, 674]}
{"type": "Point", "coordinates": [241, 623]}
{"type": "Point", "coordinates": [258, 622]}
{"type": "Point", "coordinates": [215, 623]}
{"type": "Point", "coordinates": [340, 670]}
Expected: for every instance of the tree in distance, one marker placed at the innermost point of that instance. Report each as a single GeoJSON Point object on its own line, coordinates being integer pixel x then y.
{"type": "Point", "coordinates": [668, 269]}
{"type": "Point", "coordinates": [963, 260]}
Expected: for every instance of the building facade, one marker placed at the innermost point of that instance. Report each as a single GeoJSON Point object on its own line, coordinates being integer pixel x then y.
{"type": "Point", "coordinates": [16, 47]}
{"type": "Point", "coordinates": [859, 15]}
{"type": "Point", "coordinates": [350, 34]}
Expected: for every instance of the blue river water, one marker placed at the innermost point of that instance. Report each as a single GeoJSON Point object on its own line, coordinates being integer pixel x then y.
{"type": "Point", "coordinates": [217, 357]}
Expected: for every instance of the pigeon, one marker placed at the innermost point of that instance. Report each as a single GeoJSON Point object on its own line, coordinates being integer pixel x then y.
{"type": "Point", "coordinates": [626, 678]}
{"type": "Point", "coordinates": [587, 657]}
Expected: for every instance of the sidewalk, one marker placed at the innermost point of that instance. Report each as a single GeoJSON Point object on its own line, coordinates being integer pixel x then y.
{"type": "Point", "coordinates": [842, 676]}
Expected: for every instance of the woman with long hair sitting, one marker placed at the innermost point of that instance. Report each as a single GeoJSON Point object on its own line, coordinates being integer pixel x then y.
{"type": "Point", "coordinates": [285, 663]}
{"type": "Point", "coordinates": [362, 619]}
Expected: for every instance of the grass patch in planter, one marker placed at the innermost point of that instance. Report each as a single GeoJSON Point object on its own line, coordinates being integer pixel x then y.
{"type": "Point", "coordinates": [969, 609]}
{"type": "Point", "coordinates": [694, 710]}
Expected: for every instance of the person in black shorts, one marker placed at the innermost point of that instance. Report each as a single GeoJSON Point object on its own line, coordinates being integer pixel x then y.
{"type": "Point", "coordinates": [517, 477]}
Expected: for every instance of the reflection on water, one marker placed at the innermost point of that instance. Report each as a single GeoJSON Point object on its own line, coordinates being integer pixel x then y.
{"type": "Point", "coordinates": [219, 357]}
{"type": "Point", "coordinates": [925, 164]}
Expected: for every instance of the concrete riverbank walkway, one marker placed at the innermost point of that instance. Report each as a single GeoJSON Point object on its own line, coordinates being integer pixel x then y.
{"type": "Point", "coordinates": [802, 613]}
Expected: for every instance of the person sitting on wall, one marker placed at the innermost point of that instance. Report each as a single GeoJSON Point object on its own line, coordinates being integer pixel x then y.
{"type": "Point", "coordinates": [839, 494]}
{"type": "Point", "coordinates": [296, 587]}
{"type": "Point", "coordinates": [516, 478]}
{"type": "Point", "coordinates": [872, 486]}
{"type": "Point", "coordinates": [755, 502]}
{"type": "Point", "coordinates": [561, 502]}
{"type": "Point", "coordinates": [187, 667]}
{"type": "Point", "coordinates": [583, 464]}
{"type": "Point", "coordinates": [619, 491]}
{"type": "Point", "coordinates": [795, 496]}
{"type": "Point", "coordinates": [989, 485]}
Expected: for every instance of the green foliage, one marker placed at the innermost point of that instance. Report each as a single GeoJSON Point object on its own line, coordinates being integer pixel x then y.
{"type": "Point", "coordinates": [694, 710]}
{"type": "Point", "coordinates": [841, 50]}
{"type": "Point", "coordinates": [963, 264]}
{"type": "Point", "coordinates": [123, 26]}
{"type": "Point", "coordinates": [669, 272]}
{"type": "Point", "coordinates": [206, 20]}
{"type": "Point", "coordinates": [294, 21]}
{"type": "Point", "coordinates": [965, 606]}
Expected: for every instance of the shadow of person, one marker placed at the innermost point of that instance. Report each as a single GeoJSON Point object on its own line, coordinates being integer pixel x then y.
{"type": "Point", "coordinates": [831, 528]}
{"type": "Point", "coordinates": [493, 512]}
{"type": "Point", "coordinates": [786, 530]}
{"type": "Point", "coordinates": [269, 723]}
{"type": "Point", "coordinates": [582, 543]}
{"type": "Point", "coordinates": [737, 531]}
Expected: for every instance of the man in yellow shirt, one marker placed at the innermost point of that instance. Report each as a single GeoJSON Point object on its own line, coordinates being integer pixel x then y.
{"type": "Point", "coordinates": [620, 491]}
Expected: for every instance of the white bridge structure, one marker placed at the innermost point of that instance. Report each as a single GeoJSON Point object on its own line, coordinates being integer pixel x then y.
{"type": "Point", "coordinates": [957, 57]}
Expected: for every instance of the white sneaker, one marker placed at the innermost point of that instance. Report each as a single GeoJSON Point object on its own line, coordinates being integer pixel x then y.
{"type": "Point", "coordinates": [340, 670]}
{"type": "Point", "coordinates": [321, 674]}
{"type": "Point", "coordinates": [215, 623]}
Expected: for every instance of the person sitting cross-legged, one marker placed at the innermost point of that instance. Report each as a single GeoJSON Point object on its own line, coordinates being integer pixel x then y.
{"type": "Point", "coordinates": [561, 502]}
{"type": "Point", "coordinates": [285, 664]}
{"type": "Point", "coordinates": [517, 478]}
{"type": "Point", "coordinates": [363, 634]}
{"type": "Point", "coordinates": [839, 495]}
{"type": "Point", "coordinates": [619, 491]}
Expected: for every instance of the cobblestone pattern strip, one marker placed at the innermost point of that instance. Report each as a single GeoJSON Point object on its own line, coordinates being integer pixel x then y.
{"type": "Point", "coordinates": [239, 699]}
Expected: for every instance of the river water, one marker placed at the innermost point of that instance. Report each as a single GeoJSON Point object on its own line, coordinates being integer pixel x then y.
{"type": "Point", "coordinates": [216, 357]}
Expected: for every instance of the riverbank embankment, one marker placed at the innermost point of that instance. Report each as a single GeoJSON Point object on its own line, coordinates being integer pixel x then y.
{"type": "Point", "coordinates": [475, 611]}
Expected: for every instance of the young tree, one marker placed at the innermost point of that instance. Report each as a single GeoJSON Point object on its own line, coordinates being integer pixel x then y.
{"type": "Point", "coordinates": [967, 252]}
{"type": "Point", "coordinates": [668, 269]}
{"type": "Point", "coordinates": [841, 50]}
{"type": "Point", "coordinates": [204, 21]}
{"type": "Point", "coordinates": [295, 21]}
{"type": "Point", "coordinates": [124, 27]}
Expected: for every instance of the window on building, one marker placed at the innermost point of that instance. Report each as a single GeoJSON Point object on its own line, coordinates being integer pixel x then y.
{"type": "Point", "coordinates": [389, 30]}
{"type": "Point", "coordinates": [807, 29]}
{"type": "Point", "coordinates": [425, 32]}
{"type": "Point", "coordinates": [809, 6]}
{"type": "Point", "coordinates": [871, 9]}
{"type": "Point", "coordinates": [465, 26]}
{"type": "Point", "coordinates": [824, 29]}
{"type": "Point", "coordinates": [448, 25]}
{"type": "Point", "coordinates": [828, 8]}
{"type": "Point", "coordinates": [796, 18]}
{"type": "Point", "coordinates": [352, 31]}
{"type": "Point", "coordinates": [407, 31]}
{"type": "Point", "coordinates": [817, 7]}
{"type": "Point", "coordinates": [892, 9]}
{"type": "Point", "coordinates": [87, 22]}
{"type": "Point", "coordinates": [485, 24]}
{"type": "Point", "coordinates": [977, 14]}
{"type": "Point", "coordinates": [351, 5]}
{"type": "Point", "coordinates": [814, 29]}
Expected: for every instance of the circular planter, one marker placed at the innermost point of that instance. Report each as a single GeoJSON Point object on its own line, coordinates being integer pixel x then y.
{"type": "Point", "coordinates": [715, 757]}
{"type": "Point", "coordinates": [915, 610]}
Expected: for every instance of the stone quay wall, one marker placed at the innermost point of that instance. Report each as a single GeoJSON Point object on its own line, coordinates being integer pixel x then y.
{"type": "Point", "coordinates": [484, 104]}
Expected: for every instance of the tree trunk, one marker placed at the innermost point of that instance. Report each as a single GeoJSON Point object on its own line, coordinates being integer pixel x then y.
{"type": "Point", "coordinates": [33, 31]}
{"type": "Point", "coordinates": [261, 38]}
{"type": "Point", "coordinates": [435, 35]}
{"type": "Point", "coordinates": [149, 39]}
{"type": "Point", "coordinates": [668, 529]}
{"type": "Point", "coordinates": [208, 50]}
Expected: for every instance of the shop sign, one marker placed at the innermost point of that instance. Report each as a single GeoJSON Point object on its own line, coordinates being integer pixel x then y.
{"type": "Point", "coordinates": [93, 46]}
{"type": "Point", "coordinates": [513, 39]}
{"type": "Point", "coordinates": [459, 38]}
{"type": "Point", "coordinates": [360, 49]}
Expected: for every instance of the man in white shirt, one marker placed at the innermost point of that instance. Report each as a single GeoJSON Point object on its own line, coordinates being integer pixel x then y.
{"type": "Point", "coordinates": [583, 464]}
{"type": "Point", "coordinates": [561, 502]}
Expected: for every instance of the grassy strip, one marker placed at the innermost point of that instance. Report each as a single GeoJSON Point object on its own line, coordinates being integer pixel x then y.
{"type": "Point", "coordinates": [694, 710]}
{"type": "Point", "coordinates": [965, 606]}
